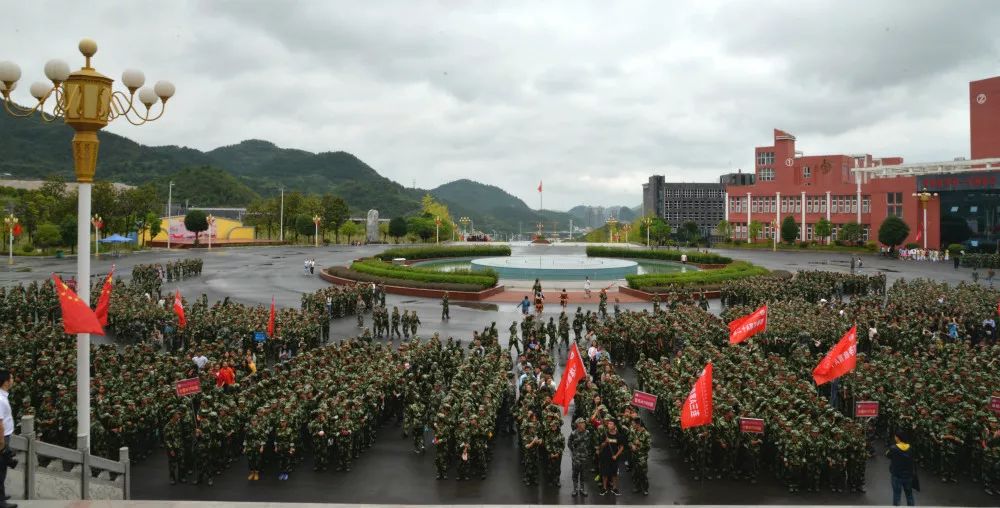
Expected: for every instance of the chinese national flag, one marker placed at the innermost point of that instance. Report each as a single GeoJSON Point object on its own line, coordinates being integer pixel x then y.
{"type": "Point", "coordinates": [104, 302]}
{"type": "Point", "coordinates": [179, 309]}
{"type": "Point", "coordinates": [539, 186]}
{"type": "Point", "coordinates": [840, 360]}
{"type": "Point", "coordinates": [743, 328]}
{"type": "Point", "coordinates": [920, 234]}
{"type": "Point", "coordinates": [697, 408]}
{"type": "Point", "coordinates": [270, 320]}
{"type": "Point", "coordinates": [571, 376]}
{"type": "Point", "coordinates": [17, 230]}
{"type": "Point", "coordinates": [77, 316]}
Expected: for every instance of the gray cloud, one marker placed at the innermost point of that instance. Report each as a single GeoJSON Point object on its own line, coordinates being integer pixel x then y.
{"type": "Point", "coordinates": [589, 96]}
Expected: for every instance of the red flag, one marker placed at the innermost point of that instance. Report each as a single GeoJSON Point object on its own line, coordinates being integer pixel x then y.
{"type": "Point", "coordinates": [920, 234]}
{"type": "Point", "coordinates": [840, 360]}
{"type": "Point", "coordinates": [77, 316]}
{"type": "Point", "coordinates": [539, 186]}
{"type": "Point", "coordinates": [104, 302]}
{"type": "Point", "coordinates": [270, 320]}
{"type": "Point", "coordinates": [743, 328]}
{"type": "Point", "coordinates": [17, 230]}
{"type": "Point", "coordinates": [179, 309]}
{"type": "Point", "coordinates": [998, 307]}
{"type": "Point", "coordinates": [697, 409]}
{"type": "Point", "coordinates": [571, 376]}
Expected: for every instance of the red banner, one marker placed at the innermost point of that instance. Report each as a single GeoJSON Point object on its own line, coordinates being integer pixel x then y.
{"type": "Point", "coordinates": [840, 360]}
{"type": "Point", "coordinates": [179, 309]}
{"type": "Point", "coordinates": [644, 400]}
{"type": "Point", "coordinates": [995, 404]}
{"type": "Point", "coordinates": [747, 326]}
{"type": "Point", "coordinates": [188, 386]}
{"type": "Point", "coordinates": [270, 320]}
{"type": "Point", "coordinates": [571, 376]}
{"type": "Point", "coordinates": [697, 408]}
{"type": "Point", "coordinates": [865, 409]}
{"type": "Point", "coordinates": [752, 425]}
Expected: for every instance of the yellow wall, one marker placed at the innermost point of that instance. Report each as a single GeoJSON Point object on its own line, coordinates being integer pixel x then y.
{"type": "Point", "coordinates": [225, 229]}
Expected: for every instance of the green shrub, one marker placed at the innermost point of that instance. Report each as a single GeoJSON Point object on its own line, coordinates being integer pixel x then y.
{"type": "Point", "coordinates": [431, 252]}
{"type": "Point", "coordinates": [665, 255]}
{"type": "Point", "coordinates": [912, 245]}
{"type": "Point", "coordinates": [486, 279]}
{"type": "Point", "coordinates": [28, 248]}
{"type": "Point", "coordinates": [974, 260]}
{"type": "Point", "coordinates": [736, 270]}
{"type": "Point", "coordinates": [347, 273]}
{"type": "Point", "coordinates": [954, 248]}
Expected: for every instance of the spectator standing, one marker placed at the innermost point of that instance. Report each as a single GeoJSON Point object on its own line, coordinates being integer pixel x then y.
{"type": "Point", "coordinates": [7, 424]}
{"type": "Point", "coordinates": [902, 470]}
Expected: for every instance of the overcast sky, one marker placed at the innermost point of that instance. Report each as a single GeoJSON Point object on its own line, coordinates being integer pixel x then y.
{"type": "Point", "coordinates": [591, 97]}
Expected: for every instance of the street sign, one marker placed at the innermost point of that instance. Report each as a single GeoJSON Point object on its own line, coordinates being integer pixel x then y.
{"type": "Point", "coordinates": [865, 409]}
{"type": "Point", "coordinates": [188, 386]}
{"type": "Point", "coordinates": [995, 404]}
{"type": "Point", "coordinates": [644, 400]}
{"type": "Point", "coordinates": [752, 425]}
{"type": "Point", "coordinates": [259, 336]}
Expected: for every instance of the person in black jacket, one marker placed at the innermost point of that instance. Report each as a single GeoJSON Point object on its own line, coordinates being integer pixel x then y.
{"type": "Point", "coordinates": [901, 468]}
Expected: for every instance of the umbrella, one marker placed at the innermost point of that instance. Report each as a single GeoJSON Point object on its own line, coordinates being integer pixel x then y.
{"type": "Point", "coordinates": [116, 238]}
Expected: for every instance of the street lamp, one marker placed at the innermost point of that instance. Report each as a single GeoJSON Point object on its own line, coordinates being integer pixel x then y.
{"type": "Point", "coordinates": [211, 221]}
{"type": "Point", "coordinates": [626, 228]}
{"type": "Point", "coordinates": [611, 222]}
{"type": "Point", "coordinates": [437, 229]}
{"type": "Point", "coordinates": [465, 226]}
{"type": "Point", "coordinates": [316, 220]}
{"type": "Point", "coordinates": [648, 221]}
{"type": "Point", "coordinates": [924, 196]}
{"type": "Point", "coordinates": [86, 102]}
{"type": "Point", "coordinates": [170, 210]}
{"type": "Point", "coordinates": [11, 222]}
{"type": "Point", "coordinates": [96, 221]}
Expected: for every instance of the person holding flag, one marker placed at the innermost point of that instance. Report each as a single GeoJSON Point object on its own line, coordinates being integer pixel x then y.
{"type": "Point", "coordinates": [572, 374]}
{"type": "Point", "coordinates": [179, 309]}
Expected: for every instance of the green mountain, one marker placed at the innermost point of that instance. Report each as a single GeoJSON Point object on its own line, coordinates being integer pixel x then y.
{"type": "Point", "coordinates": [492, 208]}
{"type": "Point", "coordinates": [234, 175]}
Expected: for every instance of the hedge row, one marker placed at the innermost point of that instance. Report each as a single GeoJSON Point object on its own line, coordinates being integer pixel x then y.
{"type": "Point", "coordinates": [665, 255]}
{"type": "Point", "coordinates": [981, 260]}
{"type": "Point", "coordinates": [347, 273]}
{"type": "Point", "coordinates": [736, 270]}
{"type": "Point", "coordinates": [485, 279]}
{"type": "Point", "coordinates": [431, 252]}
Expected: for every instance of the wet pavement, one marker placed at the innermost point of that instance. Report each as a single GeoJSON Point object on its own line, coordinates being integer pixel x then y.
{"type": "Point", "coordinates": [390, 472]}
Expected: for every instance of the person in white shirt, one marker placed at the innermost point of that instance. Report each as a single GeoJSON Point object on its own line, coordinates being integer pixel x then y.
{"type": "Point", "coordinates": [586, 287]}
{"type": "Point", "coordinates": [7, 419]}
{"type": "Point", "coordinates": [200, 360]}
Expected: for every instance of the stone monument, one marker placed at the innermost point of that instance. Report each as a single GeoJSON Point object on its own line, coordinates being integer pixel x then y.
{"type": "Point", "coordinates": [371, 228]}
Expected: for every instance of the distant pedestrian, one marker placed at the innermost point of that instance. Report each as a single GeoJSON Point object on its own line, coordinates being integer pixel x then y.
{"type": "Point", "coordinates": [586, 287]}
{"type": "Point", "coordinates": [525, 305]}
{"type": "Point", "coordinates": [305, 267]}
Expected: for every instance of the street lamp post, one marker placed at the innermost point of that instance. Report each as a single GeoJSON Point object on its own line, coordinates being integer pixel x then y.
{"type": "Point", "coordinates": [86, 102]}
{"type": "Point", "coordinates": [96, 221]}
{"type": "Point", "coordinates": [437, 229]}
{"type": "Point", "coordinates": [170, 210]}
{"type": "Point", "coordinates": [626, 228]}
{"type": "Point", "coordinates": [648, 221]}
{"type": "Point", "coordinates": [211, 221]}
{"type": "Point", "coordinates": [924, 196]}
{"type": "Point", "coordinates": [316, 220]}
{"type": "Point", "coordinates": [465, 227]}
{"type": "Point", "coordinates": [774, 243]}
{"type": "Point", "coordinates": [611, 222]}
{"type": "Point", "coordinates": [10, 221]}
{"type": "Point", "coordinates": [281, 217]}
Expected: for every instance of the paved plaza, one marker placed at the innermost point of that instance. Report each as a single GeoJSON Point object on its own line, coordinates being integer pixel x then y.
{"type": "Point", "coordinates": [391, 473]}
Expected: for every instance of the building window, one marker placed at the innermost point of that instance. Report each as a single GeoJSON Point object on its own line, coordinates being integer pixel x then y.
{"type": "Point", "coordinates": [894, 204]}
{"type": "Point", "coordinates": [806, 172]}
{"type": "Point", "coordinates": [765, 158]}
{"type": "Point", "coordinates": [755, 204]}
{"type": "Point", "coordinates": [822, 204]}
{"type": "Point", "coordinates": [798, 205]}
{"type": "Point", "coordinates": [865, 232]}
{"type": "Point", "coordinates": [784, 205]}
{"type": "Point", "coordinates": [765, 174]}
{"type": "Point", "coordinates": [866, 204]}
{"type": "Point", "coordinates": [854, 204]}
{"type": "Point", "coordinates": [809, 232]}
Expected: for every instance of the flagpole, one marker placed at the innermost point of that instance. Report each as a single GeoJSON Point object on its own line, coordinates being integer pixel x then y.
{"type": "Point", "coordinates": [83, 339]}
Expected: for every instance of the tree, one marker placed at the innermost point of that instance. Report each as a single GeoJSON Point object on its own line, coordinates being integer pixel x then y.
{"type": "Point", "coordinates": [421, 226]}
{"type": "Point", "coordinates": [659, 232]}
{"type": "Point", "coordinates": [893, 231]}
{"type": "Point", "coordinates": [754, 230]}
{"type": "Point", "coordinates": [154, 224]}
{"type": "Point", "coordinates": [383, 230]}
{"type": "Point", "coordinates": [850, 232]}
{"type": "Point", "coordinates": [789, 229]}
{"type": "Point", "coordinates": [67, 232]}
{"type": "Point", "coordinates": [690, 232]}
{"type": "Point", "coordinates": [397, 227]}
{"type": "Point", "coordinates": [195, 221]}
{"type": "Point", "coordinates": [823, 229]}
{"type": "Point", "coordinates": [335, 212]}
{"type": "Point", "coordinates": [724, 229]}
{"type": "Point", "coordinates": [47, 235]}
{"type": "Point", "coordinates": [349, 229]}
{"type": "Point", "coordinates": [430, 208]}
{"type": "Point", "coordinates": [304, 225]}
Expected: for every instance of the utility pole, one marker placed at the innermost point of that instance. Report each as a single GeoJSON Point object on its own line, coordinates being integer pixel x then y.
{"type": "Point", "coordinates": [281, 217]}
{"type": "Point", "coordinates": [170, 210]}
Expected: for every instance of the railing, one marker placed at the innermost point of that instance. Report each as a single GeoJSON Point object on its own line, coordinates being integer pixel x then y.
{"type": "Point", "coordinates": [42, 470]}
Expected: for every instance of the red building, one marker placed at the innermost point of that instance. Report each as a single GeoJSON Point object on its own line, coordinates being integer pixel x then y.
{"type": "Point", "coordinates": [813, 187]}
